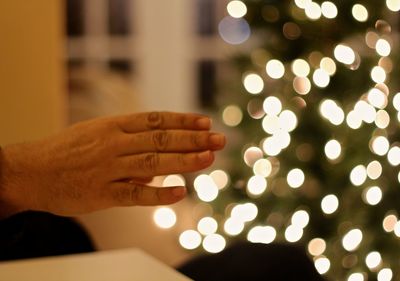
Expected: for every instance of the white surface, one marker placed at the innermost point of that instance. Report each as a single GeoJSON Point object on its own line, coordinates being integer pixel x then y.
{"type": "Point", "coordinates": [121, 265]}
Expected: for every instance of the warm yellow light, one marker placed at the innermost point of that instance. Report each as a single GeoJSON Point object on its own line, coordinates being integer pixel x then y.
{"type": "Point", "coordinates": [256, 185]}
{"type": "Point", "coordinates": [300, 219]}
{"type": "Point", "coordinates": [396, 101]}
{"type": "Point", "coordinates": [244, 212]}
{"type": "Point", "coordinates": [377, 98]}
{"type": "Point", "coordinates": [253, 83]}
{"type": "Point", "coordinates": [295, 178]}
{"type": "Point", "coordinates": [333, 149]}
{"type": "Point", "coordinates": [357, 276]}
{"type": "Point", "coordinates": [353, 120]}
{"type": "Point", "coordinates": [380, 145]}
{"type": "Point", "coordinates": [366, 111]}
{"type": "Point", "coordinates": [317, 246]}
{"type": "Point", "coordinates": [207, 225]}
{"type": "Point", "coordinates": [373, 260]}
{"type": "Point", "coordinates": [272, 105]}
{"type": "Point", "coordinates": [313, 11]}
{"type": "Point", "coordinates": [164, 217]}
{"type": "Point", "coordinates": [360, 13]}
{"type": "Point", "coordinates": [233, 227]}
{"type": "Point", "coordinates": [287, 120]}
{"type": "Point", "coordinates": [275, 69]}
{"type": "Point", "coordinates": [393, 5]}
{"type": "Point", "coordinates": [214, 243]}
{"type": "Point", "coordinates": [293, 233]}
{"type": "Point", "coordinates": [262, 167]}
{"type": "Point", "coordinates": [374, 170]}
{"type": "Point", "coordinates": [329, 10]}
{"type": "Point", "coordinates": [236, 9]}
{"type": "Point", "coordinates": [220, 178]}
{"type": "Point", "coordinates": [328, 65]}
{"type": "Point", "coordinates": [302, 85]}
{"type": "Point", "coordinates": [385, 274]}
{"type": "Point", "coordinates": [344, 54]}
{"type": "Point", "coordinates": [389, 223]}
{"type": "Point", "coordinates": [373, 195]}
{"type": "Point", "coordinates": [232, 115]}
{"type": "Point", "coordinates": [174, 180]}
{"type": "Point", "coordinates": [358, 175]}
{"type": "Point", "coordinates": [300, 68]}
{"type": "Point", "coordinates": [262, 234]}
{"type": "Point", "coordinates": [352, 240]}
{"type": "Point", "coordinates": [190, 239]}
{"type": "Point", "coordinates": [302, 3]}
{"type": "Point", "coordinates": [322, 264]}
{"type": "Point", "coordinates": [271, 124]}
{"type": "Point", "coordinates": [394, 156]}
{"type": "Point", "coordinates": [378, 74]}
{"type": "Point", "coordinates": [206, 188]}
{"type": "Point", "coordinates": [329, 204]}
{"type": "Point", "coordinates": [321, 78]}
{"type": "Point", "coordinates": [251, 155]}
{"type": "Point", "coordinates": [383, 48]}
{"type": "Point", "coordinates": [271, 146]}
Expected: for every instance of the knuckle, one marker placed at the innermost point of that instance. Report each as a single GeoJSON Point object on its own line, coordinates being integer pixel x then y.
{"type": "Point", "coordinates": [151, 162]}
{"type": "Point", "coordinates": [195, 140]}
{"type": "Point", "coordinates": [160, 140]}
{"type": "Point", "coordinates": [155, 120]}
{"type": "Point", "coordinates": [130, 195]}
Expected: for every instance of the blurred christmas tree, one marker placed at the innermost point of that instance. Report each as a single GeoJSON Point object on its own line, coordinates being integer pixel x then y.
{"type": "Point", "coordinates": [316, 105]}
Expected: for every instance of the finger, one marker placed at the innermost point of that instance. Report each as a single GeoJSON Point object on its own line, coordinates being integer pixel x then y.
{"type": "Point", "coordinates": [157, 164]}
{"type": "Point", "coordinates": [163, 120]}
{"type": "Point", "coordinates": [140, 180]}
{"type": "Point", "coordinates": [126, 194]}
{"type": "Point", "coordinates": [171, 141]}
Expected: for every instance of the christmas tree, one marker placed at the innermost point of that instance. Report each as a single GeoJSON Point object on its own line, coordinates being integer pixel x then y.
{"type": "Point", "coordinates": [314, 110]}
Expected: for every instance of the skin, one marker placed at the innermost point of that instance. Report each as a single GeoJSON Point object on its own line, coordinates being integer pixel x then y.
{"type": "Point", "coordinates": [106, 162]}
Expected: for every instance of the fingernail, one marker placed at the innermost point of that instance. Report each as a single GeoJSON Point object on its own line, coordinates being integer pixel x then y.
{"type": "Point", "coordinates": [217, 140]}
{"type": "Point", "coordinates": [204, 156]}
{"type": "Point", "coordinates": [179, 191]}
{"type": "Point", "coordinates": [203, 123]}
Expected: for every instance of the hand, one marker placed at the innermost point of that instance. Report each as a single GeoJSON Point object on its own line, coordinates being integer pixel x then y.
{"type": "Point", "coordinates": [106, 162]}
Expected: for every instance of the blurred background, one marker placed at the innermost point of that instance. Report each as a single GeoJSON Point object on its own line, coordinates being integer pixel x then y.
{"type": "Point", "coordinates": [306, 91]}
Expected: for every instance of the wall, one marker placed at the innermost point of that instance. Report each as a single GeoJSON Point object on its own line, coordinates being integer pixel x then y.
{"type": "Point", "coordinates": [32, 97]}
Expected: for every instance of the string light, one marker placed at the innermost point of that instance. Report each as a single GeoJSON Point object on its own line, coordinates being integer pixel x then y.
{"type": "Point", "coordinates": [394, 156]}
{"type": "Point", "coordinates": [262, 234]}
{"type": "Point", "coordinates": [356, 277]}
{"type": "Point", "coordinates": [352, 240]}
{"type": "Point", "coordinates": [389, 223]}
{"type": "Point", "coordinates": [295, 178]}
{"type": "Point", "coordinates": [206, 188]}
{"type": "Point", "coordinates": [262, 167]}
{"type": "Point", "coordinates": [374, 170]}
{"type": "Point", "coordinates": [360, 13]}
{"type": "Point", "coordinates": [233, 226]}
{"type": "Point", "coordinates": [214, 243]}
{"type": "Point", "coordinates": [378, 74]}
{"type": "Point", "coordinates": [393, 5]}
{"type": "Point", "coordinates": [385, 274]}
{"type": "Point", "coordinates": [380, 145]}
{"type": "Point", "coordinates": [358, 175]}
{"type": "Point", "coordinates": [272, 105]}
{"type": "Point", "coordinates": [313, 11]}
{"type": "Point", "coordinates": [275, 69]}
{"type": "Point", "coordinates": [253, 83]}
{"type": "Point", "coordinates": [207, 225]}
{"type": "Point", "coordinates": [373, 195]}
{"type": "Point", "coordinates": [164, 217]}
{"type": "Point", "coordinates": [344, 54]}
{"type": "Point", "coordinates": [329, 10]}
{"type": "Point", "coordinates": [300, 68]}
{"type": "Point", "coordinates": [251, 155]}
{"type": "Point", "coordinates": [190, 239]}
{"type": "Point", "coordinates": [329, 204]}
{"type": "Point", "coordinates": [256, 185]}
{"type": "Point", "coordinates": [383, 47]}
{"type": "Point", "coordinates": [317, 246]}
{"type": "Point", "coordinates": [373, 260]}
{"type": "Point", "coordinates": [322, 264]}
{"type": "Point", "coordinates": [232, 115]}
{"type": "Point", "coordinates": [236, 9]}
{"type": "Point", "coordinates": [333, 149]}
{"type": "Point", "coordinates": [220, 178]}
{"type": "Point", "coordinates": [293, 233]}
{"type": "Point", "coordinates": [321, 78]}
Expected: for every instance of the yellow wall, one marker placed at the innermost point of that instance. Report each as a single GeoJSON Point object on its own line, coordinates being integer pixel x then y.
{"type": "Point", "coordinates": [32, 85]}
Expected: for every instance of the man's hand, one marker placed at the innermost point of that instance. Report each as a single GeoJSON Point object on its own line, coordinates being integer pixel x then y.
{"type": "Point", "coordinates": [106, 162]}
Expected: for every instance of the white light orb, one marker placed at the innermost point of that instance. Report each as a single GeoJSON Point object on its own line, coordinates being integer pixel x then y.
{"type": "Point", "coordinates": [244, 212]}
{"type": "Point", "coordinates": [233, 227]}
{"type": "Point", "coordinates": [373, 260]}
{"type": "Point", "coordinates": [232, 115]}
{"type": "Point", "coordinates": [353, 120]}
{"type": "Point", "coordinates": [329, 204]}
{"type": "Point", "coordinates": [377, 98]}
{"type": "Point", "coordinates": [366, 111]}
{"type": "Point", "coordinates": [389, 223]}
{"type": "Point", "coordinates": [358, 175]}
{"type": "Point", "coordinates": [322, 264]}
{"type": "Point", "coordinates": [300, 219]}
{"type": "Point", "coordinates": [190, 239]}
{"type": "Point", "coordinates": [251, 155]}
{"type": "Point", "coordinates": [300, 68]}
{"type": "Point", "coordinates": [321, 78]}
{"type": "Point", "coordinates": [374, 170]}
{"type": "Point", "coordinates": [272, 105]}
{"type": "Point", "coordinates": [206, 188]}
{"type": "Point", "coordinates": [270, 124]}
{"type": "Point", "coordinates": [164, 217]}
{"type": "Point", "coordinates": [253, 83]}
{"type": "Point", "coordinates": [236, 9]}
{"type": "Point", "coordinates": [220, 178]}
{"type": "Point", "coordinates": [302, 85]}
{"type": "Point", "coordinates": [385, 274]}
{"type": "Point", "coordinates": [293, 233]}
{"type": "Point", "coordinates": [333, 149]}
{"type": "Point", "coordinates": [174, 180]}
{"type": "Point", "coordinates": [302, 3]}
{"type": "Point", "coordinates": [262, 234]}
{"type": "Point", "coordinates": [287, 120]}
{"type": "Point", "coordinates": [207, 225]}
{"type": "Point", "coordinates": [256, 185]}
{"type": "Point", "coordinates": [383, 47]}
{"type": "Point", "coordinates": [352, 240]}
{"type": "Point", "coordinates": [360, 13]}
{"type": "Point", "coordinates": [344, 54]}
{"type": "Point", "coordinates": [262, 167]}
{"type": "Point", "coordinates": [317, 246]}
{"type": "Point", "coordinates": [396, 229]}
{"type": "Point", "coordinates": [393, 5]}
{"type": "Point", "coordinates": [378, 74]}
{"type": "Point", "coordinates": [396, 101]}
{"type": "Point", "coordinates": [214, 243]}
{"type": "Point", "coordinates": [329, 10]}
{"type": "Point", "coordinates": [271, 146]}
{"type": "Point", "coordinates": [373, 195]}
{"type": "Point", "coordinates": [382, 119]}
{"type": "Point", "coordinates": [313, 11]}
{"type": "Point", "coordinates": [356, 277]}
{"type": "Point", "coordinates": [283, 138]}
{"type": "Point", "coordinates": [327, 108]}
{"type": "Point", "coordinates": [275, 69]}
{"type": "Point", "coordinates": [380, 145]}
{"type": "Point", "coordinates": [328, 65]}
{"type": "Point", "coordinates": [295, 178]}
{"type": "Point", "coordinates": [394, 156]}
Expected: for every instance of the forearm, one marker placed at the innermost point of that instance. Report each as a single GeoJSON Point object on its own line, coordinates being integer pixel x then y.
{"type": "Point", "coordinates": [7, 206]}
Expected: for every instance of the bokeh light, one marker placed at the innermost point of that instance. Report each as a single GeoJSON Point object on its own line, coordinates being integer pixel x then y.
{"type": "Point", "coordinates": [190, 239]}
{"type": "Point", "coordinates": [317, 246]}
{"type": "Point", "coordinates": [236, 9]}
{"type": "Point", "coordinates": [295, 178]}
{"type": "Point", "coordinates": [322, 264]}
{"type": "Point", "coordinates": [329, 10]}
{"type": "Point", "coordinates": [261, 234]}
{"type": "Point", "coordinates": [373, 260]}
{"type": "Point", "coordinates": [232, 115]}
{"type": "Point", "coordinates": [358, 175]}
{"type": "Point", "coordinates": [207, 225]}
{"type": "Point", "coordinates": [164, 217]}
{"type": "Point", "coordinates": [360, 13]}
{"type": "Point", "coordinates": [275, 69]}
{"type": "Point", "coordinates": [373, 195]}
{"type": "Point", "coordinates": [351, 241]}
{"type": "Point", "coordinates": [385, 274]}
{"type": "Point", "coordinates": [214, 243]}
{"type": "Point", "coordinates": [234, 30]}
{"type": "Point", "coordinates": [329, 204]}
{"type": "Point", "coordinates": [333, 149]}
{"type": "Point", "coordinates": [253, 83]}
